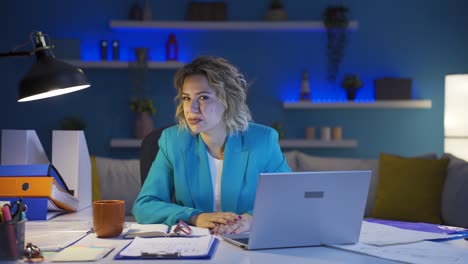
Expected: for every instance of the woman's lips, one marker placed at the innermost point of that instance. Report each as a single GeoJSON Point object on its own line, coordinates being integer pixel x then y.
{"type": "Point", "coordinates": [194, 121]}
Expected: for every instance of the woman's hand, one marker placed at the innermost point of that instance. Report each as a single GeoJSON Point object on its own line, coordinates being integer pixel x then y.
{"type": "Point", "coordinates": [242, 225]}
{"type": "Point", "coordinates": [212, 220]}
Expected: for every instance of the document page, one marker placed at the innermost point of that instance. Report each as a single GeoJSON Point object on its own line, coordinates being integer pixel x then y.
{"type": "Point", "coordinates": [418, 253]}
{"type": "Point", "coordinates": [55, 235]}
{"type": "Point", "coordinates": [159, 246]}
{"type": "Point", "coordinates": [382, 235]}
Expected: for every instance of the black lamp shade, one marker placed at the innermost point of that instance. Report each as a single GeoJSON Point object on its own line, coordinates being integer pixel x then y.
{"type": "Point", "coordinates": [50, 77]}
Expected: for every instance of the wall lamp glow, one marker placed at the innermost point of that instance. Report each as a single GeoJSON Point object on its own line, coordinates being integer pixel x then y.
{"type": "Point", "coordinates": [48, 76]}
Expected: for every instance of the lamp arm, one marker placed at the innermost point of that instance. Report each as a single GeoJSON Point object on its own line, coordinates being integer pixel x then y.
{"type": "Point", "coordinates": [16, 53]}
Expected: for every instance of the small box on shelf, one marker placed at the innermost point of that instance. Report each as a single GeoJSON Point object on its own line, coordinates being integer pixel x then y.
{"type": "Point", "coordinates": [393, 88]}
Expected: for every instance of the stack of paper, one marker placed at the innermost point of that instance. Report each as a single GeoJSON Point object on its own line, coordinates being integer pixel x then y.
{"type": "Point", "coordinates": [55, 235]}
{"type": "Point", "coordinates": [174, 247]}
{"type": "Point", "coordinates": [382, 235]}
{"type": "Point", "coordinates": [406, 245]}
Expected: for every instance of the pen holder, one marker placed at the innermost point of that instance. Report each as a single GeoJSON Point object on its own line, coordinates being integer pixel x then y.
{"type": "Point", "coordinates": [12, 240]}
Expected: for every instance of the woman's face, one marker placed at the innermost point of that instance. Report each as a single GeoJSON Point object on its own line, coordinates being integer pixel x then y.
{"type": "Point", "coordinates": [202, 109]}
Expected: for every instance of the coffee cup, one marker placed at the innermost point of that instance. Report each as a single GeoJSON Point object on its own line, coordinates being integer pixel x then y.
{"type": "Point", "coordinates": [108, 217]}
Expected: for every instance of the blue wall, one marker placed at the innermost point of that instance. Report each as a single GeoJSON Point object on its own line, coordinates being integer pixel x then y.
{"type": "Point", "coordinates": [395, 38]}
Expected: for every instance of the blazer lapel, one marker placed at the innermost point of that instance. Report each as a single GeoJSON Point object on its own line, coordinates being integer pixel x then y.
{"type": "Point", "coordinates": [234, 167]}
{"type": "Point", "coordinates": [198, 175]}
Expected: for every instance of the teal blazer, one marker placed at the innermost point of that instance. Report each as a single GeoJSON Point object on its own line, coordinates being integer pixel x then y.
{"type": "Point", "coordinates": [179, 182]}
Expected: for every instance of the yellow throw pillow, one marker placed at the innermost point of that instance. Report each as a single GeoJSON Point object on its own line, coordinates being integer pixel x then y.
{"type": "Point", "coordinates": [410, 189]}
{"type": "Point", "coordinates": [96, 189]}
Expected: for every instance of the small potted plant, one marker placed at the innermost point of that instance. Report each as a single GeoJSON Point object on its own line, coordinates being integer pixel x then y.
{"type": "Point", "coordinates": [351, 83]}
{"type": "Point", "coordinates": [73, 122]}
{"type": "Point", "coordinates": [276, 12]}
{"type": "Point", "coordinates": [144, 109]}
{"type": "Point", "coordinates": [336, 22]}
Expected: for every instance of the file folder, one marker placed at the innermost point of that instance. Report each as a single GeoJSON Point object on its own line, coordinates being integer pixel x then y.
{"type": "Point", "coordinates": [40, 185]}
{"type": "Point", "coordinates": [36, 170]}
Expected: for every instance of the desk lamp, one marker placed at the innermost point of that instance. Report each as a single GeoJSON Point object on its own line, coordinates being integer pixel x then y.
{"type": "Point", "coordinates": [48, 76]}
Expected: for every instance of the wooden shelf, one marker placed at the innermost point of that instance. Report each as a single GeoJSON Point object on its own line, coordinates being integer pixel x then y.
{"type": "Point", "coordinates": [286, 143]}
{"type": "Point", "coordinates": [125, 64]}
{"type": "Point", "coordinates": [306, 143]}
{"type": "Point", "coordinates": [224, 25]}
{"type": "Point", "coordinates": [423, 104]}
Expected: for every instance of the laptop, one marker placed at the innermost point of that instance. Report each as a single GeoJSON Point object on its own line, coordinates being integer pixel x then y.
{"type": "Point", "coordinates": [298, 209]}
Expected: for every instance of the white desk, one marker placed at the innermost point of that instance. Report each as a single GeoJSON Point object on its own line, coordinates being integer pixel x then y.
{"type": "Point", "coordinates": [227, 253]}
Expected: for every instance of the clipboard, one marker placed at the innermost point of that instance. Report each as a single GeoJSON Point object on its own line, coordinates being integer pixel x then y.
{"type": "Point", "coordinates": [213, 247]}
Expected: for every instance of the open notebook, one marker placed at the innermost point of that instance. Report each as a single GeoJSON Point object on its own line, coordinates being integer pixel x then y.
{"type": "Point", "coordinates": [161, 230]}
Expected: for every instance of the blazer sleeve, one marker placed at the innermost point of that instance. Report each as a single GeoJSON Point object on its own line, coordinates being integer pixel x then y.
{"type": "Point", "coordinates": [276, 162]}
{"type": "Point", "coordinates": [153, 204]}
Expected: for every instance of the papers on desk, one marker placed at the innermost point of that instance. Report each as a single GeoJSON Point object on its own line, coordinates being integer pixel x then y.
{"type": "Point", "coordinates": [55, 235]}
{"type": "Point", "coordinates": [383, 235]}
{"type": "Point", "coordinates": [405, 245]}
{"type": "Point", "coordinates": [418, 253]}
{"type": "Point", "coordinates": [175, 247]}
{"type": "Point", "coordinates": [82, 253]}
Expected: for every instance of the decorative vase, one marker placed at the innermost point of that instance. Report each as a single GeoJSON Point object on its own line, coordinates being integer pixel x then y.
{"type": "Point", "coordinates": [276, 15]}
{"type": "Point", "coordinates": [351, 93]}
{"type": "Point", "coordinates": [143, 125]}
{"type": "Point", "coordinates": [136, 11]}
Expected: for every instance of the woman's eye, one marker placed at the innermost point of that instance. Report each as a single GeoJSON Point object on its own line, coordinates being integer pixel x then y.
{"type": "Point", "coordinates": [203, 98]}
{"type": "Point", "coordinates": [185, 98]}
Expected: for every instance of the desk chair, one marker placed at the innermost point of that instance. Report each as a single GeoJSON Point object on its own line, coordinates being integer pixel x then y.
{"type": "Point", "coordinates": [149, 149]}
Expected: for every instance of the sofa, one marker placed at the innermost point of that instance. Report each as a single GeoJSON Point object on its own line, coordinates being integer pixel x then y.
{"type": "Point", "coordinates": [120, 179]}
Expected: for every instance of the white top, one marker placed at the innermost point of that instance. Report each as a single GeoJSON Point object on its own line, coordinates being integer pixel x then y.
{"type": "Point", "coordinates": [216, 169]}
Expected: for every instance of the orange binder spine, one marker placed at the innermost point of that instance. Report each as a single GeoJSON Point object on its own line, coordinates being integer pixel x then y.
{"type": "Point", "coordinates": [21, 186]}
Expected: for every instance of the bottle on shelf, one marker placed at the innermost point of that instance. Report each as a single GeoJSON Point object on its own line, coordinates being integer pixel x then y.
{"type": "Point", "coordinates": [136, 12]}
{"type": "Point", "coordinates": [305, 89]}
{"type": "Point", "coordinates": [147, 11]}
{"type": "Point", "coordinates": [172, 48]}
{"type": "Point", "coordinates": [103, 49]}
{"type": "Point", "coordinates": [115, 49]}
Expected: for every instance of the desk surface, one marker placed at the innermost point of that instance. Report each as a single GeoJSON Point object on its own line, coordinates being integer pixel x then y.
{"type": "Point", "coordinates": [227, 253]}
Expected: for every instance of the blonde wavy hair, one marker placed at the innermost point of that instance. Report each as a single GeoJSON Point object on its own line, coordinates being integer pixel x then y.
{"type": "Point", "coordinates": [230, 88]}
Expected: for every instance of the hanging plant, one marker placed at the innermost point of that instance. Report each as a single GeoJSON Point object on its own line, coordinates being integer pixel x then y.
{"type": "Point", "coordinates": [336, 22]}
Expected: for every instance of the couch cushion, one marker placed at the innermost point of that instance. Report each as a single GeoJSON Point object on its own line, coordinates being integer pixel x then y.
{"type": "Point", "coordinates": [291, 159]}
{"type": "Point", "coordinates": [455, 193]}
{"type": "Point", "coordinates": [312, 163]}
{"type": "Point", "coordinates": [119, 179]}
{"type": "Point", "coordinates": [410, 189]}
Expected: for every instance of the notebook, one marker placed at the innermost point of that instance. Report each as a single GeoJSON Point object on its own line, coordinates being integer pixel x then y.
{"type": "Point", "coordinates": [298, 209]}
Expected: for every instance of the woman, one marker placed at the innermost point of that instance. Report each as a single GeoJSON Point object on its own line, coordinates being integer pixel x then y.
{"type": "Point", "coordinates": [207, 167]}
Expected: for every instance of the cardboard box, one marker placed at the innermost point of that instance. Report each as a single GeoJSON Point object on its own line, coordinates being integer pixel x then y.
{"type": "Point", "coordinates": [392, 89]}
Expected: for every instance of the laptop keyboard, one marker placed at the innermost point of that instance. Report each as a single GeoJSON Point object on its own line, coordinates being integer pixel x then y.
{"type": "Point", "coordinates": [243, 240]}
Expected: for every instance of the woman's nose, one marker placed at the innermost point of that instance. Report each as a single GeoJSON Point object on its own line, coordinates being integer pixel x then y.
{"type": "Point", "coordinates": [194, 107]}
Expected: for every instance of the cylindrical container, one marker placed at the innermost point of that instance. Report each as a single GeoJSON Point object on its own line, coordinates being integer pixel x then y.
{"type": "Point", "coordinates": [115, 49]}
{"type": "Point", "coordinates": [172, 49]}
{"type": "Point", "coordinates": [103, 49]}
{"type": "Point", "coordinates": [12, 240]}
{"type": "Point", "coordinates": [108, 217]}
{"type": "Point", "coordinates": [325, 133]}
{"type": "Point", "coordinates": [310, 133]}
{"type": "Point", "coordinates": [337, 133]}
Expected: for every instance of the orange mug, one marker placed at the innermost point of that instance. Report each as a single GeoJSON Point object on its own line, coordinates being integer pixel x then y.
{"type": "Point", "coordinates": [108, 217]}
